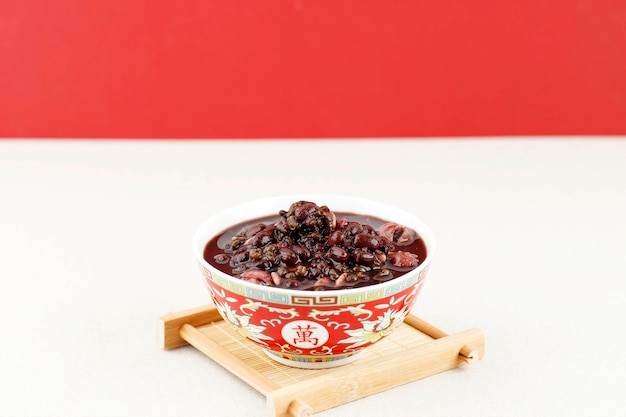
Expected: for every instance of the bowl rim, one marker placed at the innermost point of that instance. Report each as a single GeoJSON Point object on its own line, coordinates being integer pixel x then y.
{"type": "Point", "coordinates": [425, 233]}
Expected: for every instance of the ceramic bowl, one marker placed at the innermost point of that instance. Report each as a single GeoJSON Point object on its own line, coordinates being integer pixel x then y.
{"type": "Point", "coordinates": [312, 329]}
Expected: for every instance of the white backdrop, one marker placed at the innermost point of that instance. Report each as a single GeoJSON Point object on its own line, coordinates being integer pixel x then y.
{"type": "Point", "coordinates": [95, 245]}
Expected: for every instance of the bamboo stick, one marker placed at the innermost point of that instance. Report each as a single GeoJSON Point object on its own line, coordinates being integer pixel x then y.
{"type": "Point", "coordinates": [298, 408]}
{"type": "Point", "coordinates": [170, 324]}
{"type": "Point", "coordinates": [467, 355]}
{"type": "Point", "coordinates": [361, 379]}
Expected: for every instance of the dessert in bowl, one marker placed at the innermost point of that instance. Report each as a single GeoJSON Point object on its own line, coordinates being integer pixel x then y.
{"type": "Point", "coordinates": [314, 279]}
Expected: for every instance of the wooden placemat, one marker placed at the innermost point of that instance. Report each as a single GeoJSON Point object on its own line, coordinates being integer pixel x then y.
{"type": "Point", "coordinates": [414, 350]}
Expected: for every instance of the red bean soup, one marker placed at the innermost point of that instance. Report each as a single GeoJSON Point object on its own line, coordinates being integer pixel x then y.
{"type": "Point", "coordinates": [309, 247]}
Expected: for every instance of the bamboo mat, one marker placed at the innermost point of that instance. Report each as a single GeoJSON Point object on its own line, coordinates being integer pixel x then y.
{"type": "Point", "coordinates": [415, 350]}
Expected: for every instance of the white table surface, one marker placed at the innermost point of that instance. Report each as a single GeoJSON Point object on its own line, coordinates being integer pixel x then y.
{"type": "Point", "coordinates": [95, 245]}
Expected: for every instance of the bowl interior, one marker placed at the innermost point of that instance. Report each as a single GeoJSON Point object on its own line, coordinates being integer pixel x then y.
{"type": "Point", "coordinates": [270, 206]}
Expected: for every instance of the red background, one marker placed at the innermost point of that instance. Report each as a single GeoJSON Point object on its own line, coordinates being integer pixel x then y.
{"type": "Point", "coordinates": [311, 68]}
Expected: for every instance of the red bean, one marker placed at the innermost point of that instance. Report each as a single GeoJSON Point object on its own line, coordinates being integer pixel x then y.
{"type": "Point", "coordinates": [264, 237]}
{"type": "Point", "coordinates": [353, 228]}
{"type": "Point", "coordinates": [303, 209]}
{"type": "Point", "coordinates": [338, 254]}
{"type": "Point", "coordinates": [253, 230]}
{"type": "Point", "coordinates": [335, 238]}
{"type": "Point", "coordinates": [364, 240]}
{"type": "Point", "coordinates": [239, 258]}
{"type": "Point", "coordinates": [368, 229]}
{"type": "Point", "coordinates": [380, 256]}
{"type": "Point", "coordinates": [303, 253]}
{"type": "Point", "coordinates": [363, 257]}
{"type": "Point", "coordinates": [288, 256]}
{"type": "Point", "coordinates": [341, 223]}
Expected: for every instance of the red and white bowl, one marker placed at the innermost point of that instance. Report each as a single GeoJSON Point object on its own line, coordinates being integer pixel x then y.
{"type": "Point", "coordinates": [312, 329]}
